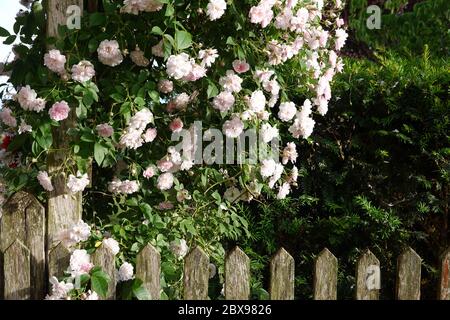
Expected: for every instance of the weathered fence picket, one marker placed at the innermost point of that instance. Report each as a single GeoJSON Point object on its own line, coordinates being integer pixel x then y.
{"type": "Point", "coordinates": [325, 276]}
{"type": "Point", "coordinates": [282, 273]}
{"type": "Point", "coordinates": [58, 260]}
{"type": "Point", "coordinates": [444, 285]}
{"type": "Point", "coordinates": [196, 275]}
{"type": "Point", "coordinates": [104, 258]}
{"type": "Point", "coordinates": [24, 220]}
{"type": "Point", "coordinates": [17, 272]}
{"type": "Point", "coordinates": [408, 275]}
{"type": "Point", "coordinates": [237, 275]}
{"type": "Point", "coordinates": [368, 278]}
{"type": "Point", "coordinates": [148, 269]}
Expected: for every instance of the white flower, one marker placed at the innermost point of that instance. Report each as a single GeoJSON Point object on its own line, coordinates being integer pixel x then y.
{"type": "Point", "coordinates": [165, 181]}
{"type": "Point", "coordinates": [111, 245]}
{"type": "Point", "coordinates": [80, 263]}
{"type": "Point", "coordinates": [23, 128]}
{"type": "Point", "coordinates": [284, 190]}
{"type": "Point", "coordinates": [268, 133]}
{"type": "Point", "coordinates": [268, 167]}
{"type": "Point", "coordinates": [83, 71]}
{"type": "Point", "coordinates": [78, 183]}
{"type": "Point", "coordinates": [109, 53]}
{"type": "Point", "coordinates": [55, 61]}
{"type": "Point", "coordinates": [303, 124]}
{"type": "Point", "coordinates": [92, 295]}
{"type": "Point", "coordinates": [341, 38]}
{"type": "Point", "coordinates": [179, 248]}
{"type": "Point", "coordinates": [28, 99]}
{"type": "Point", "coordinates": [60, 290]}
{"type": "Point", "coordinates": [141, 119]}
{"type": "Point", "coordinates": [138, 57]}
{"type": "Point", "coordinates": [224, 101]}
{"type": "Point", "coordinates": [233, 128]}
{"type": "Point", "coordinates": [178, 66]}
{"type": "Point", "coordinates": [287, 111]}
{"type": "Point", "coordinates": [289, 153]}
{"type": "Point", "coordinates": [208, 56]}
{"type": "Point", "coordinates": [45, 181]}
{"type": "Point", "coordinates": [231, 82]}
{"type": "Point", "coordinates": [215, 9]}
{"type": "Point", "coordinates": [257, 101]}
{"type": "Point", "coordinates": [126, 272]}
{"type": "Point", "coordinates": [80, 231]}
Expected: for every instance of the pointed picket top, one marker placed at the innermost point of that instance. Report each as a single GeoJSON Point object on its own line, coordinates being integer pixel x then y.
{"type": "Point", "coordinates": [17, 280]}
{"type": "Point", "coordinates": [409, 265]}
{"type": "Point", "coordinates": [282, 273]}
{"type": "Point", "coordinates": [237, 275]}
{"type": "Point", "coordinates": [325, 276]}
{"type": "Point", "coordinates": [368, 278]}
{"type": "Point", "coordinates": [148, 269]}
{"type": "Point", "coordinates": [444, 285]}
{"type": "Point", "coordinates": [104, 258]}
{"type": "Point", "coordinates": [58, 260]}
{"type": "Point", "coordinates": [196, 275]}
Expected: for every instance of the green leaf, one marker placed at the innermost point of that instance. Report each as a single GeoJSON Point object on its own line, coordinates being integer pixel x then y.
{"type": "Point", "coordinates": [183, 40]}
{"type": "Point", "coordinates": [212, 90]}
{"type": "Point", "coordinates": [100, 152]}
{"type": "Point", "coordinates": [97, 19]}
{"type": "Point", "coordinates": [157, 30]}
{"type": "Point", "coordinates": [99, 283]}
{"type": "Point", "coordinates": [9, 40]}
{"type": "Point", "coordinates": [139, 291]}
{"type": "Point", "coordinates": [17, 142]}
{"type": "Point", "coordinates": [4, 33]}
{"type": "Point", "coordinates": [169, 10]}
{"type": "Point", "coordinates": [139, 101]}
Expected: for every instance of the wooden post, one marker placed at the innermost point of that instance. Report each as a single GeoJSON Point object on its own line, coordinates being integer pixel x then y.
{"type": "Point", "coordinates": [325, 276]}
{"type": "Point", "coordinates": [196, 275]}
{"type": "Point", "coordinates": [104, 258]}
{"type": "Point", "coordinates": [17, 272]}
{"type": "Point", "coordinates": [282, 273]}
{"type": "Point", "coordinates": [24, 221]}
{"type": "Point", "coordinates": [59, 260]}
{"type": "Point", "coordinates": [64, 208]}
{"type": "Point", "coordinates": [237, 275]}
{"type": "Point", "coordinates": [408, 275]}
{"type": "Point", "coordinates": [368, 279]}
{"type": "Point", "coordinates": [148, 269]}
{"type": "Point", "coordinates": [444, 285]}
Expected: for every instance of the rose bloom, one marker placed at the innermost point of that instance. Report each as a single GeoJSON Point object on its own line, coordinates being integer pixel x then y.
{"type": "Point", "coordinates": [45, 181]}
{"type": "Point", "coordinates": [231, 82]}
{"type": "Point", "coordinates": [224, 101]}
{"type": "Point", "coordinates": [240, 66]}
{"type": "Point", "coordinates": [83, 71]}
{"type": "Point", "coordinates": [59, 111]}
{"type": "Point", "coordinates": [233, 128]}
{"type": "Point", "coordinates": [165, 181]}
{"type": "Point", "coordinates": [176, 125]}
{"type": "Point", "coordinates": [104, 130]}
{"type": "Point", "coordinates": [287, 111]}
{"type": "Point", "coordinates": [149, 135]}
{"type": "Point", "coordinates": [179, 66]}
{"type": "Point", "coordinates": [164, 165]}
{"type": "Point", "coordinates": [215, 9]}
{"type": "Point", "coordinates": [165, 205]}
{"type": "Point", "coordinates": [137, 56]}
{"type": "Point", "coordinates": [158, 50]}
{"type": "Point", "coordinates": [55, 61]}
{"type": "Point", "coordinates": [149, 172]}
{"type": "Point", "coordinates": [165, 86]}
{"type": "Point", "coordinates": [125, 273]}
{"type": "Point", "coordinates": [109, 53]}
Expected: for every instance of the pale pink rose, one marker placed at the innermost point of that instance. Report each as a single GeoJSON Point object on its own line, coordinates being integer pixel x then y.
{"type": "Point", "coordinates": [59, 111]}
{"type": "Point", "coordinates": [149, 172]}
{"type": "Point", "coordinates": [240, 66]}
{"type": "Point", "coordinates": [165, 181]}
{"type": "Point", "coordinates": [261, 14]}
{"type": "Point", "coordinates": [83, 71]}
{"type": "Point", "coordinates": [197, 72]}
{"type": "Point", "coordinates": [138, 57]}
{"type": "Point", "coordinates": [208, 56]}
{"type": "Point", "coordinates": [109, 53]}
{"type": "Point", "coordinates": [149, 135]}
{"type": "Point", "coordinates": [55, 61]}
{"type": "Point", "coordinates": [215, 9]}
{"type": "Point", "coordinates": [164, 165]}
{"type": "Point", "coordinates": [7, 117]}
{"type": "Point", "coordinates": [289, 153]}
{"type": "Point", "coordinates": [105, 130]}
{"type": "Point", "coordinates": [165, 86]}
{"type": "Point", "coordinates": [158, 50]}
{"type": "Point", "coordinates": [176, 125]}
{"type": "Point", "coordinates": [231, 82]}
{"type": "Point", "coordinates": [224, 101]}
{"type": "Point", "coordinates": [153, 5]}
{"type": "Point", "coordinates": [340, 22]}
{"type": "Point", "coordinates": [45, 181]}
{"type": "Point", "coordinates": [233, 128]}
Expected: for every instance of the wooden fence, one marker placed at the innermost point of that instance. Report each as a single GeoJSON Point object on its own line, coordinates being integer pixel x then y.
{"type": "Point", "coordinates": [25, 266]}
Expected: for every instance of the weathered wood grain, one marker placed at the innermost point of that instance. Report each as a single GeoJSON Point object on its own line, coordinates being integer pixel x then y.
{"type": "Point", "coordinates": [444, 284]}
{"type": "Point", "coordinates": [64, 208]}
{"type": "Point", "coordinates": [282, 273]}
{"type": "Point", "coordinates": [237, 275]}
{"type": "Point", "coordinates": [196, 275]}
{"type": "Point", "coordinates": [368, 279]}
{"type": "Point", "coordinates": [148, 269]}
{"type": "Point", "coordinates": [17, 272]}
{"type": "Point", "coordinates": [104, 258]}
{"type": "Point", "coordinates": [325, 276]}
{"type": "Point", "coordinates": [24, 220]}
{"type": "Point", "coordinates": [58, 261]}
{"type": "Point", "coordinates": [408, 275]}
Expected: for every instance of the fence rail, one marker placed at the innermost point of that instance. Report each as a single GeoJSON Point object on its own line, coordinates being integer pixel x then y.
{"type": "Point", "coordinates": [25, 266]}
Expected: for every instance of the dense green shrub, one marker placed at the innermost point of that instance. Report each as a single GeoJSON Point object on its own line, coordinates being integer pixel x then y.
{"type": "Point", "coordinates": [375, 175]}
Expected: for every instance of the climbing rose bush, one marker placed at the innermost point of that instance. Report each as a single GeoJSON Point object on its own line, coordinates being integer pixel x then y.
{"type": "Point", "coordinates": [138, 72]}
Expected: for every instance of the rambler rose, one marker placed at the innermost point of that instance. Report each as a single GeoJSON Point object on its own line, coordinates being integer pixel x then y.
{"type": "Point", "coordinates": [59, 111]}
